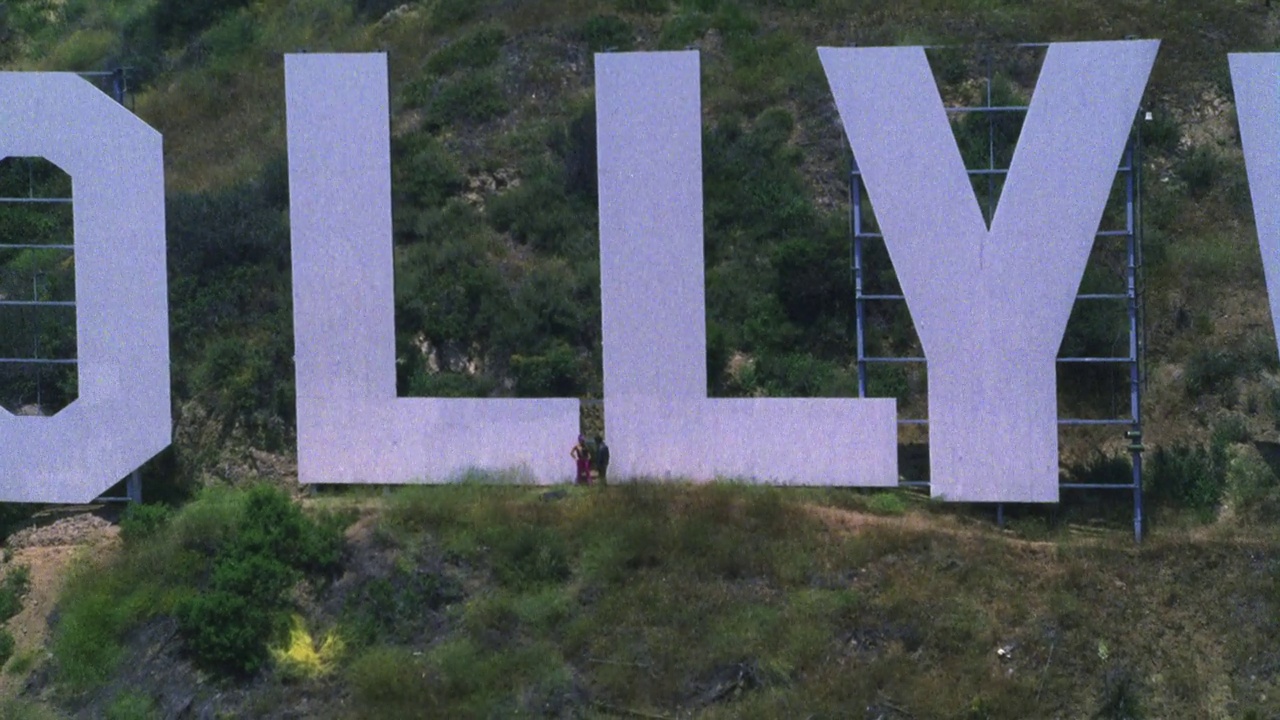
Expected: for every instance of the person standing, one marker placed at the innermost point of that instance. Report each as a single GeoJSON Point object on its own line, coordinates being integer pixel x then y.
{"type": "Point", "coordinates": [600, 458]}
{"type": "Point", "coordinates": [582, 455]}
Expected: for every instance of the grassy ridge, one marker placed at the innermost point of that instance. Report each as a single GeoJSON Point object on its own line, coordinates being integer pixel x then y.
{"type": "Point", "coordinates": [736, 601]}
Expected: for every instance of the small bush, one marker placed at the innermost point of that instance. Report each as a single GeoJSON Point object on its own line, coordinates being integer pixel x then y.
{"type": "Point", "coordinates": [176, 21]}
{"type": "Point", "coordinates": [1209, 371]}
{"type": "Point", "coordinates": [530, 555]}
{"type": "Point", "coordinates": [450, 13]}
{"type": "Point", "coordinates": [1188, 476]}
{"type": "Point", "coordinates": [25, 710]}
{"type": "Point", "coordinates": [1161, 132]}
{"type": "Point", "coordinates": [6, 646]}
{"type": "Point", "coordinates": [140, 522]}
{"type": "Point", "coordinates": [1121, 697]}
{"type": "Point", "coordinates": [399, 607]}
{"type": "Point", "coordinates": [607, 32]}
{"type": "Point", "coordinates": [229, 625]}
{"type": "Point", "coordinates": [12, 590]}
{"type": "Point", "coordinates": [887, 503]}
{"type": "Point", "coordinates": [644, 7]}
{"type": "Point", "coordinates": [22, 664]}
{"type": "Point", "coordinates": [1252, 488]}
{"type": "Point", "coordinates": [130, 705]}
{"type": "Point", "coordinates": [390, 682]}
{"type": "Point", "coordinates": [478, 49]}
{"type": "Point", "coordinates": [466, 99]}
{"type": "Point", "coordinates": [1200, 169]}
{"type": "Point", "coordinates": [302, 657]}
{"type": "Point", "coordinates": [1102, 469]}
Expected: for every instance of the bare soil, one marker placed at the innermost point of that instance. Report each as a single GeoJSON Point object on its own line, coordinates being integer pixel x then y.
{"type": "Point", "coordinates": [47, 548]}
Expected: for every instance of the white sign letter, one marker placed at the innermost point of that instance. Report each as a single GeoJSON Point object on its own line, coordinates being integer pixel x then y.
{"type": "Point", "coordinates": [351, 426]}
{"type": "Point", "coordinates": [991, 306]}
{"type": "Point", "coordinates": [121, 417]}
{"type": "Point", "coordinates": [1256, 80]}
{"type": "Point", "coordinates": [657, 414]}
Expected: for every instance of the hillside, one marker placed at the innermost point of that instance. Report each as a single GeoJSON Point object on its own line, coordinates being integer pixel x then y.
{"type": "Point", "coordinates": [493, 164]}
{"type": "Point", "coordinates": [232, 599]}
{"type": "Point", "coordinates": [655, 601]}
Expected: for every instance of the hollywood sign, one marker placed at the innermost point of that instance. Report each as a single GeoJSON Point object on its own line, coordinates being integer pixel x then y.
{"type": "Point", "coordinates": [990, 304]}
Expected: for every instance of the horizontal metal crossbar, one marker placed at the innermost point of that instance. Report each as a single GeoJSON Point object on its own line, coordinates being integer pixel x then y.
{"type": "Point", "coordinates": [1061, 421]}
{"type": "Point", "coordinates": [35, 246]}
{"type": "Point", "coordinates": [37, 303]}
{"type": "Point", "coordinates": [34, 200]}
{"type": "Point", "coordinates": [1061, 486]}
{"type": "Point", "coordinates": [982, 108]}
{"type": "Point", "coordinates": [1061, 360]}
{"type": "Point", "coordinates": [1100, 233]}
{"type": "Point", "coordinates": [38, 361]}
{"type": "Point", "coordinates": [993, 171]}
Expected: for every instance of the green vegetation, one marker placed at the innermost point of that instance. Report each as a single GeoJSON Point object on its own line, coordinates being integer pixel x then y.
{"type": "Point", "coordinates": [17, 580]}
{"type": "Point", "coordinates": [223, 566]}
{"type": "Point", "coordinates": [713, 602]}
{"type": "Point", "coordinates": [727, 600]}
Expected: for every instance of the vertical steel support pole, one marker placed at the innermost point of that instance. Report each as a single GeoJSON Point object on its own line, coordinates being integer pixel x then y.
{"type": "Point", "coordinates": [855, 220]}
{"type": "Point", "coordinates": [991, 145]}
{"type": "Point", "coordinates": [1131, 290]}
{"type": "Point", "coordinates": [133, 488]}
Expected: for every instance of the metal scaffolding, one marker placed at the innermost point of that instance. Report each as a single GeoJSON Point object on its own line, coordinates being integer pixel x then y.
{"type": "Point", "coordinates": [1129, 176]}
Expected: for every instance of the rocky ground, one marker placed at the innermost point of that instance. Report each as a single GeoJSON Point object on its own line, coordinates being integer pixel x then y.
{"type": "Point", "coordinates": [47, 548]}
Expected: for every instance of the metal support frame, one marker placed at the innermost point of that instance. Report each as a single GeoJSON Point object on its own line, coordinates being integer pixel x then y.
{"type": "Point", "coordinates": [1131, 171]}
{"type": "Point", "coordinates": [118, 89]}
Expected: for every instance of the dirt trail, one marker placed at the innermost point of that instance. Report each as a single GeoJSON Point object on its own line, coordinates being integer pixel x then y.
{"type": "Point", "coordinates": [47, 549]}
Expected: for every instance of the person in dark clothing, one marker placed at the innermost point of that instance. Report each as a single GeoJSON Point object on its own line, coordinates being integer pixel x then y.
{"type": "Point", "coordinates": [600, 459]}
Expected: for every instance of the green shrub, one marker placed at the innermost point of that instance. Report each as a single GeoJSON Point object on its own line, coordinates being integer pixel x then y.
{"type": "Point", "coordinates": [1229, 430]}
{"type": "Point", "coordinates": [644, 7]}
{"type": "Point", "coordinates": [12, 590]}
{"type": "Point", "coordinates": [140, 522]}
{"type": "Point", "coordinates": [555, 373]}
{"type": "Point", "coordinates": [684, 28]}
{"type": "Point", "coordinates": [25, 710]}
{"type": "Point", "coordinates": [6, 646]}
{"type": "Point", "coordinates": [229, 624]}
{"type": "Point", "coordinates": [23, 663]}
{"type": "Point", "coordinates": [607, 32]}
{"type": "Point", "coordinates": [1209, 371]}
{"type": "Point", "coordinates": [1200, 169]}
{"type": "Point", "coordinates": [469, 98]}
{"type": "Point", "coordinates": [1190, 477]}
{"type": "Point", "coordinates": [1252, 488]}
{"type": "Point", "coordinates": [389, 682]}
{"type": "Point", "coordinates": [887, 503]}
{"type": "Point", "coordinates": [477, 49]}
{"type": "Point", "coordinates": [396, 608]}
{"type": "Point", "coordinates": [529, 555]}
{"type": "Point", "coordinates": [450, 13]}
{"type": "Point", "coordinates": [1102, 469]}
{"type": "Point", "coordinates": [540, 212]}
{"type": "Point", "coordinates": [1161, 133]}
{"type": "Point", "coordinates": [176, 21]}
{"type": "Point", "coordinates": [131, 705]}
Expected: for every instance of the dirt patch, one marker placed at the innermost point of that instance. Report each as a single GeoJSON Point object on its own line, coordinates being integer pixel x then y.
{"type": "Point", "coordinates": [47, 549]}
